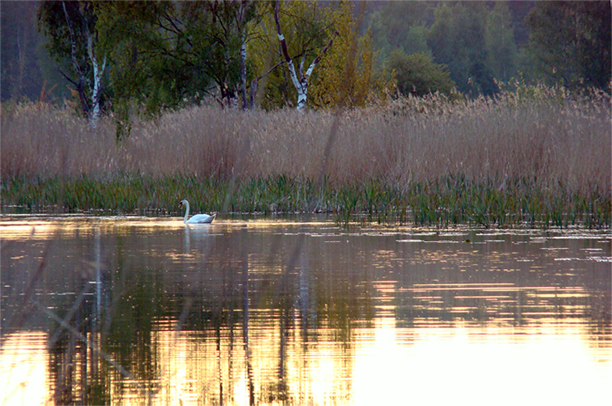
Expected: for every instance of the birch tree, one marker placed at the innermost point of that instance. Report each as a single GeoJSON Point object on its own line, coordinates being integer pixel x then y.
{"type": "Point", "coordinates": [73, 40]}
{"type": "Point", "coordinates": [241, 24]}
{"type": "Point", "coordinates": [299, 77]}
{"type": "Point", "coordinates": [171, 54]}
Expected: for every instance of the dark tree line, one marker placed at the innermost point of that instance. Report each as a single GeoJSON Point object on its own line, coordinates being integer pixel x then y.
{"type": "Point", "coordinates": [479, 43]}
{"type": "Point", "coordinates": [148, 56]}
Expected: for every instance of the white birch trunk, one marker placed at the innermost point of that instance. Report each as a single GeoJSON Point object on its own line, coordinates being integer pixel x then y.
{"type": "Point", "coordinates": [241, 23]}
{"type": "Point", "coordinates": [96, 91]}
{"type": "Point", "coordinates": [300, 86]}
{"type": "Point", "coordinates": [80, 85]}
{"type": "Point", "coordinates": [302, 82]}
{"type": "Point", "coordinates": [243, 72]}
{"type": "Point", "coordinates": [91, 109]}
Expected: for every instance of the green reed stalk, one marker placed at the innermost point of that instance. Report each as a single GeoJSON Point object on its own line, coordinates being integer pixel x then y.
{"type": "Point", "coordinates": [443, 202]}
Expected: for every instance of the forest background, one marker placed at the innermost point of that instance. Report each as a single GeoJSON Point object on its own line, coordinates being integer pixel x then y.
{"type": "Point", "coordinates": [129, 68]}
{"type": "Point", "coordinates": [173, 54]}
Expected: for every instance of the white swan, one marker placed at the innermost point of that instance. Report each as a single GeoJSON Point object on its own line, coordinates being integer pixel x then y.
{"type": "Point", "coordinates": [198, 218]}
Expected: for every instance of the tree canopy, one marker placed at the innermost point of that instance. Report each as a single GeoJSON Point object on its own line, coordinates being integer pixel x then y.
{"type": "Point", "coordinates": [419, 75]}
{"type": "Point", "coordinates": [72, 32]}
{"type": "Point", "coordinates": [168, 54]}
{"type": "Point", "coordinates": [569, 42]}
{"type": "Point", "coordinates": [150, 56]}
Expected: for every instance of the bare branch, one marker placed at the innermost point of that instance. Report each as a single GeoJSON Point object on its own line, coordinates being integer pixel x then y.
{"type": "Point", "coordinates": [318, 58]}
{"type": "Point", "coordinates": [270, 70]}
{"type": "Point", "coordinates": [68, 78]}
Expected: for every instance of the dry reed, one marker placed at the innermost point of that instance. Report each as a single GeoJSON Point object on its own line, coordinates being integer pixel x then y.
{"type": "Point", "coordinates": [541, 134]}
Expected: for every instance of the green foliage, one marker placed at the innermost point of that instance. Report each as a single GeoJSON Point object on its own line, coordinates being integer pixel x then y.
{"type": "Point", "coordinates": [346, 75]}
{"type": "Point", "coordinates": [569, 42]}
{"type": "Point", "coordinates": [418, 74]}
{"type": "Point", "coordinates": [401, 25]}
{"type": "Point", "coordinates": [145, 68]}
{"type": "Point", "coordinates": [53, 23]}
{"type": "Point", "coordinates": [457, 39]}
{"type": "Point", "coordinates": [169, 55]}
{"type": "Point", "coordinates": [72, 40]}
{"type": "Point", "coordinates": [502, 53]}
{"type": "Point", "coordinates": [307, 27]}
{"type": "Point", "coordinates": [474, 40]}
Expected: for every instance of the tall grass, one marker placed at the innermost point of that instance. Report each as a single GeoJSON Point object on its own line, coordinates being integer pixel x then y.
{"type": "Point", "coordinates": [530, 150]}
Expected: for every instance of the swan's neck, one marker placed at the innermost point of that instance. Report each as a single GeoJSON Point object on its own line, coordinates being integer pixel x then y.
{"type": "Point", "coordinates": [186, 212]}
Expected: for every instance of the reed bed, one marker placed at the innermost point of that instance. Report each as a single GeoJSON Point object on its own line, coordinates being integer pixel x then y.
{"type": "Point", "coordinates": [537, 155]}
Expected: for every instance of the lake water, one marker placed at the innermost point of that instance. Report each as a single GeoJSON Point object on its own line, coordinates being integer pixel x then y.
{"type": "Point", "coordinates": [298, 311]}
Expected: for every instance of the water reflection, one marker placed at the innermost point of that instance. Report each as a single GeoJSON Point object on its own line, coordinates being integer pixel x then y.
{"type": "Point", "coordinates": [133, 311]}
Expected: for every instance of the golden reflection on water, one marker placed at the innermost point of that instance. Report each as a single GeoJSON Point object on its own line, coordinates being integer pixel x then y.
{"type": "Point", "coordinates": [374, 318]}
{"type": "Point", "coordinates": [480, 365]}
{"type": "Point", "coordinates": [426, 365]}
{"type": "Point", "coordinates": [384, 365]}
{"type": "Point", "coordinates": [24, 363]}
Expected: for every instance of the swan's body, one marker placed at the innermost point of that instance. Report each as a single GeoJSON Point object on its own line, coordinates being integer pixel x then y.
{"type": "Point", "coordinates": [198, 218]}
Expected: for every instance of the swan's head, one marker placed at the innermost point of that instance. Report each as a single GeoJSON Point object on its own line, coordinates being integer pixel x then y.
{"type": "Point", "coordinates": [183, 203]}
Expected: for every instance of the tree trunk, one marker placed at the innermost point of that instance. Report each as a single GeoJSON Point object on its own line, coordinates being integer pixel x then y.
{"type": "Point", "coordinates": [243, 74]}
{"type": "Point", "coordinates": [80, 84]}
{"type": "Point", "coordinates": [301, 83]}
{"type": "Point", "coordinates": [96, 91]}
{"type": "Point", "coordinates": [243, 54]}
{"type": "Point", "coordinates": [98, 71]}
{"type": "Point", "coordinates": [91, 108]}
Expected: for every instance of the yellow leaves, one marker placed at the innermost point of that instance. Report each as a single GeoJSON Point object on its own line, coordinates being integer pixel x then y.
{"type": "Point", "coordinates": [346, 75]}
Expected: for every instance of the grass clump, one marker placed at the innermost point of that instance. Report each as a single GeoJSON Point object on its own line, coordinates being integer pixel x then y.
{"type": "Point", "coordinates": [536, 156]}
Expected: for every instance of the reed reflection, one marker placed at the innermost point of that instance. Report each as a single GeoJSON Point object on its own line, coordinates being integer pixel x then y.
{"type": "Point", "coordinates": [281, 313]}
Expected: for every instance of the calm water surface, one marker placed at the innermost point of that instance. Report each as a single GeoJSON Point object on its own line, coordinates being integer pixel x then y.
{"type": "Point", "coordinates": [147, 311]}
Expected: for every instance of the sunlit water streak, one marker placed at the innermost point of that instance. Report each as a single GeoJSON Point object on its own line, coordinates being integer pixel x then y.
{"type": "Point", "coordinates": [302, 312]}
